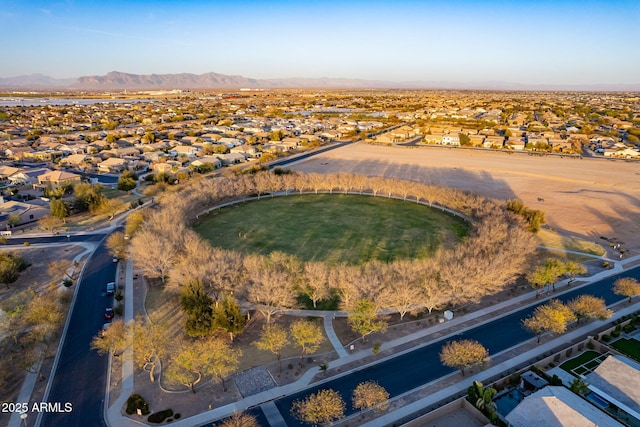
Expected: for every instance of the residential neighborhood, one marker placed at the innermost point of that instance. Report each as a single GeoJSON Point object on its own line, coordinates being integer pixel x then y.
{"type": "Point", "coordinates": [67, 169]}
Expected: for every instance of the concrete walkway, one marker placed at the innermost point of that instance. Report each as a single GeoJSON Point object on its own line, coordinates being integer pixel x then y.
{"type": "Point", "coordinates": [113, 413]}
{"type": "Point", "coordinates": [114, 417]}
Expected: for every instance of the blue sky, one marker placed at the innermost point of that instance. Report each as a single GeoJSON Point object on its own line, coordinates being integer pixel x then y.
{"type": "Point", "coordinates": [530, 42]}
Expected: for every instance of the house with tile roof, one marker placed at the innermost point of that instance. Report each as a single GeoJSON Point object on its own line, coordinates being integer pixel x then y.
{"type": "Point", "coordinates": [55, 179]}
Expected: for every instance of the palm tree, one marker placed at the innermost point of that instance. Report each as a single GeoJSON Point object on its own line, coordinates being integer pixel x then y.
{"type": "Point", "coordinates": [579, 386]}
{"type": "Point", "coordinates": [485, 401]}
{"type": "Point", "coordinates": [482, 397]}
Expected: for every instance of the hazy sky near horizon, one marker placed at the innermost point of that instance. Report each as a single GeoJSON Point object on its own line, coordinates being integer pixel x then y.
{"type": "Point", "coordinates": [530, 42]}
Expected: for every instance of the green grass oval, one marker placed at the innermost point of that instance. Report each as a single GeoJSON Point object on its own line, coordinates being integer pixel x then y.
{"type": "Point", "coordinates": [333, 228]}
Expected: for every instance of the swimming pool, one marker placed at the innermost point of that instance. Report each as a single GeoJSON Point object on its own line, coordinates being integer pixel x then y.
{"type": "Point", "coordinates": [507, 402]}
{"type": "Point", "coordinates": [600, 402]}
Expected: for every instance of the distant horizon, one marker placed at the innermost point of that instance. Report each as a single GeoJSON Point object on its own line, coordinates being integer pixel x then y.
{"type": "Point", "coordinates": [155, 81]}
{"type": "Point", "coordinates": [545, 42]}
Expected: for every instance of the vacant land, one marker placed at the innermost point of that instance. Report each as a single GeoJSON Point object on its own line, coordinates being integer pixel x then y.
{"type": "Point", "coordinates": [333, 228]}
{"type": "Point", "coordinates": [585, 198]}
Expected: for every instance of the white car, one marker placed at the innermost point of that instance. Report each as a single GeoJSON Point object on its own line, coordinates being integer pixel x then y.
{"type": "Point", "coordinates": [111, 288]}
{"type": "Point", "coordinates": [115, 259]}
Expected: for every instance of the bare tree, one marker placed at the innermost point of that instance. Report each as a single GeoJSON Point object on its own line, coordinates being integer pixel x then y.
{"type": "Point", "coordinates": [403, 294]}
{"type": "Point", "coordinates": [49, 222]}
{"type": "Point", "coordinates": [271, 287]}
{"type": "Point", "coordinates": [153, 253]}
{"type": "Point", "coordinates": [315, 282]}
{"type": "Point", "coordinates": [59, 268]}
{"type": "Point", "coordinates": [342, 278]}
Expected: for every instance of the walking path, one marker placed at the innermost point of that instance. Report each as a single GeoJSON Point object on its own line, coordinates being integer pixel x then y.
{"type": "Point", "coordinates": [114, 417]}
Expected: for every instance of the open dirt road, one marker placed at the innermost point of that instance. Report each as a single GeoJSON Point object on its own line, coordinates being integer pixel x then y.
{"type": "Point", "coordinates": [587, 198]}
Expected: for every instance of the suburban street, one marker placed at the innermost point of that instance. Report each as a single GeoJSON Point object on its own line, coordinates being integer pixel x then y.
{"type": "Point", "coordinates": [420, 366]}
{"type": "Point", "coordinates": [80, 376]}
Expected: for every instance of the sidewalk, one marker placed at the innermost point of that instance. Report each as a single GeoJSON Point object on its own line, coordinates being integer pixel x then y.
{"type": "Point", "coordinates": [113, 413]}
{"type": "Point", "coordinates": [114, 417]}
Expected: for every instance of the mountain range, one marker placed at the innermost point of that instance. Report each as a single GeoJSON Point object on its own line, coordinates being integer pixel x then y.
{"type": "Point", "coordinates": [116, 80]}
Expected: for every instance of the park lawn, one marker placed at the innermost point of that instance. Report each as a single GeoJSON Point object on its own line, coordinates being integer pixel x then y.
{"type": "Point", "coordinates": [333, 228]}
{"type": "Point", "coordinates": [585, 357]}
{"type": "Point", "coordinates": [630, 347]}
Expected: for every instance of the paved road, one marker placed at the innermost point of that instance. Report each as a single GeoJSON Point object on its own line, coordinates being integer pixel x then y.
{"type": "Point", "coordinates": [287, 160]}
{"type": "Point", "coordinates": [421, 366]}
{"type": "Point", "coordinates": [80, 377]}
{"type": "Point", "coordinates": [61, 238]}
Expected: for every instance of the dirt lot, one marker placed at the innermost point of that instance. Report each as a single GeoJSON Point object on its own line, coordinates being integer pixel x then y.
{"type": "Point", "coordinates": [586, 198]}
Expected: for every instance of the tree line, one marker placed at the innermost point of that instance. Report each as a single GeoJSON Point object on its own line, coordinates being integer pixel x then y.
{"type": "Point", "coordinates": [496, 251]}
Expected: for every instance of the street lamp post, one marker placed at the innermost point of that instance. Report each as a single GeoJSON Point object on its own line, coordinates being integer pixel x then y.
{"type": "Point", "coordinates": [23, 417]}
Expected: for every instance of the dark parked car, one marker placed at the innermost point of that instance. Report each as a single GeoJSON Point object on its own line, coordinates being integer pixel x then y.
{"type": "Point", "coordinates": [108, 313]}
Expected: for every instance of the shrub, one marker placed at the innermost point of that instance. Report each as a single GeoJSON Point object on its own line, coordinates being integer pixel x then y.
{"type": "Point", "coordinates": [376, 348]}
{"type": "Point", "coordinates": [606, 338]}
{"type": "Point", "coordinates": [615, 333]}
{"type": "Point", "coordinates": [119, 296]}
{"type": "Point", "coordinates": [65, 297]}
{"type": "Point", "coordinates": [591, 345]}
{"type": "Point", "coordinates": [67, 282]}
{"type": "Point", "coordinates": [118, 310]}
{"type": "Point", "coordinates": [629, 328]}
{"type": "Point", "coordinates": [555, 380]}
{"type": "Point", "coordinates": [135, 402]}
{"type": "Point", "coordinates": [26, 244]}
{"type": "Point", "coordinates": [177, 416]}
{"type": "Point", "coordinates": [160, 416]}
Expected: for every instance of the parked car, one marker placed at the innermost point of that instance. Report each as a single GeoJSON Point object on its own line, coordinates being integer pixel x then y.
{"type": "Point", "coordinates": [111, 288]}
{"type": "Point", "coordinates": [108, 313]}
{"type": "Point", "coordinates": [115, 259]}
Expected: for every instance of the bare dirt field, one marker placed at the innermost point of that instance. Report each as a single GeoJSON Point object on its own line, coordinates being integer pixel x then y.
{"type": "Point", "coordinates": [585, 198]}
